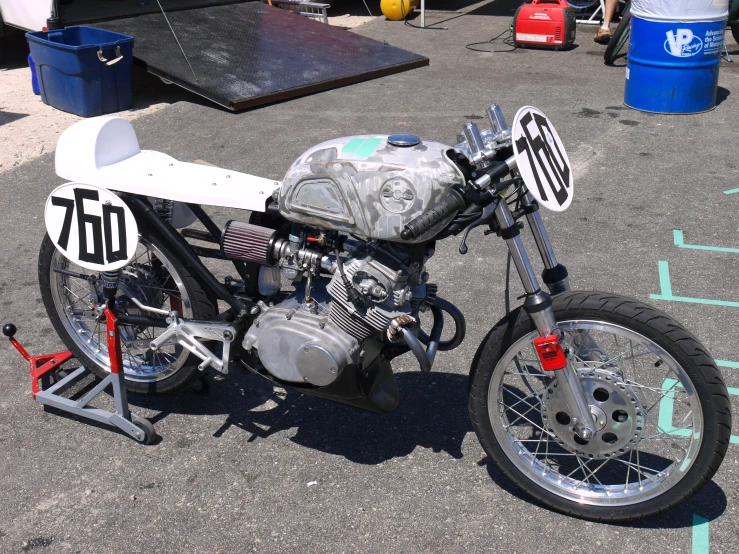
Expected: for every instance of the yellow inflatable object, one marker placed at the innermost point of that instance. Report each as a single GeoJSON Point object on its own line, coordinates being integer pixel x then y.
{"type": "Point", "coordinates": [394, 10]}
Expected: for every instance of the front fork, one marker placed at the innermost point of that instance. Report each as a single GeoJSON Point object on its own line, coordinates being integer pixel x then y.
{"type": "Point", "coordinates": [538, 304]}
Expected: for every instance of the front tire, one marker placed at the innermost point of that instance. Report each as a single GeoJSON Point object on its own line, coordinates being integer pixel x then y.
{"type": "Point", "coordinates": [658, 400]}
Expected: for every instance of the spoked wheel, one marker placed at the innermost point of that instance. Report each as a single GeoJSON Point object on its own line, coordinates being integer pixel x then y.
{"type": "Point", "coordinates": [75, 304]}
{"type": "Point", "coordinates": [620, 36]}
{"type": "Point", "coordinates": [660, 409]}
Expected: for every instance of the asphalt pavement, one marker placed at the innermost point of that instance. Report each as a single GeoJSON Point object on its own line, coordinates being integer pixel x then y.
{"type": "Point", "coordinates": [248, 468]}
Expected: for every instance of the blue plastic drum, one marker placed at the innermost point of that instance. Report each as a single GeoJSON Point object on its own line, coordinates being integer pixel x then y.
{"type": "Point", "coordinates": [673, 66]}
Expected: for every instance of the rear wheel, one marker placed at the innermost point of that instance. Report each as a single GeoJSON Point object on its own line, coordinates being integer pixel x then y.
{"type": "Point", "coordinates": [659, 405]}
{"type": "Point", "coordinates": [75, 305]}
{"type": "Point", "coordinates": [620, 36]}
{"type": "Point", "coordinates": [735, 31]}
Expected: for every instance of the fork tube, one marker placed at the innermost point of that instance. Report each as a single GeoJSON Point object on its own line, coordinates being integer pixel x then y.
{"type": "Point", "coordinates": [538, 304]}
{"type": "Point", "coordinates": [555, 274]}
{"type": "Point", "coordinates": [510, 232]}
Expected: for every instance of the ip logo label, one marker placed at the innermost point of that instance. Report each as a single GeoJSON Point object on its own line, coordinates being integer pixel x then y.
{"type": "Point", "coordinates": [682, 43]}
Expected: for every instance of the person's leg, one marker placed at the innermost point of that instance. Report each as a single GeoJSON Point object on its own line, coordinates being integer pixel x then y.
{"type": "Point", "coordinates": [608, 14]}
{"type": "Point", "coordinates": [604, 34]}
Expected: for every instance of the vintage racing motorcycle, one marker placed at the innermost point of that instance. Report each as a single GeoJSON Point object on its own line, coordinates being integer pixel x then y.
{"type": "Point", "coordinates": [597, 405]}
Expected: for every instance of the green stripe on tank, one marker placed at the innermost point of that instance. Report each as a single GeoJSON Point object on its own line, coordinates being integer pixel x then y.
{"type": "Point", "coordinates": [369, 147]}
{"type": "Point", "coordinates": [352, 146]}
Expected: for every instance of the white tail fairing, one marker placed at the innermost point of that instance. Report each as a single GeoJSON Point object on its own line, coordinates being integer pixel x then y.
{"type": "Point", "coordinates": [104, 152]}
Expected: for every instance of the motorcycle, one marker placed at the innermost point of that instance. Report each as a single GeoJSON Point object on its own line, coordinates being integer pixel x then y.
{"type": "Point", "coordinates": [596, 405]}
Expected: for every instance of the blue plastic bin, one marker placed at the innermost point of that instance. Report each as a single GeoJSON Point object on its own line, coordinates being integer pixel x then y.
{"type": "Point", "coordinates": [83, 70]}
{"type": "Point", "coordinates": [34, 80]}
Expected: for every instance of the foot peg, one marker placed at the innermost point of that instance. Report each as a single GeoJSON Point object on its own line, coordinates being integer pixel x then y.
{"type": "Point", "coordinates": [187, 332]}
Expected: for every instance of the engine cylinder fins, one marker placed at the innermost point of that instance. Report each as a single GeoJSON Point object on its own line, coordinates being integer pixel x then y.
{"type": "Point", "coordinates": [350, 324]}
{"type": "Point", "coordinates": [247, 242]}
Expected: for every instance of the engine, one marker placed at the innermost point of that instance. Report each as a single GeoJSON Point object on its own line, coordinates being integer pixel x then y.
{"type": "Point", "coordinates": [339, 303]}
{"type": "Point", "coordinates": [345, 307]}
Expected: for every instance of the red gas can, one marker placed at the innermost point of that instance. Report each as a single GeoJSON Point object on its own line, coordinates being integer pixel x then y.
{"type": "Point", "coordinates": [548, 24]}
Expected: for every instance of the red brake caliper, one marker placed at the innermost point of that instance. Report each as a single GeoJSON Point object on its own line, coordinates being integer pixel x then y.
{"type": "Point", "coordinates": [550, 353]}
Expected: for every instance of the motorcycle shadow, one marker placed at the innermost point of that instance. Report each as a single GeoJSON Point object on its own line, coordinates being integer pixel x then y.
{"type": "Point", "coordinates": [432, 414]}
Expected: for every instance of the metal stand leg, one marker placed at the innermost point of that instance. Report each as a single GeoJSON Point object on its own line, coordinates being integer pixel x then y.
{"type": "Point", "coordinates": [139, 429]}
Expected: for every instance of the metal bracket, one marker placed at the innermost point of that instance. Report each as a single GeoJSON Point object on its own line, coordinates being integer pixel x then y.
{"type": "Point", "coordinates": [186, 334]}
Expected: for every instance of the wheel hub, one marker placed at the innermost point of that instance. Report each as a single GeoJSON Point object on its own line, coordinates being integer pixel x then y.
{"type": "Point", "coordinates": [616, 410]}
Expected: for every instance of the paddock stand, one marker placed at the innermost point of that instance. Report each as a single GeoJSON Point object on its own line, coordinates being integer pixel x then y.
{"type": "Point", "coordinates": [137, 428]}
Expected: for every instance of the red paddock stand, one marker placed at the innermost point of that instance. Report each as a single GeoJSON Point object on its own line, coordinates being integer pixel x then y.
{"type": "Point", "coordinates": [138, 428]}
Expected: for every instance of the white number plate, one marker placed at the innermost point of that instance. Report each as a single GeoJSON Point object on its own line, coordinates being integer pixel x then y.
{"type": "Point", "coordinates": [91, 226]}
{"type": "Point", "coordinates": [542, 160]}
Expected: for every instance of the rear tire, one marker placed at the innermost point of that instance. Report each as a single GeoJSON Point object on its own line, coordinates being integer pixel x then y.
{"type": "Point", "coordinates": [78, 334]}
{"type": "Point", "coordinates": [510, 441]}
{"type": "Point", "coordinates": [735, 31]}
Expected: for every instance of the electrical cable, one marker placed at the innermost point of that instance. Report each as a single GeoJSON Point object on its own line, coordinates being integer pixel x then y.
{"type": "Point", "coordinates": [508, 41]}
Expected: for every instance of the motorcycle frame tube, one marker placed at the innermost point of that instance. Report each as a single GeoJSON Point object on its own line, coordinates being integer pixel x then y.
{"type": "Point", "coordinates": [216, 233]}
{"type": "Point", "coordinates": [178, 244]}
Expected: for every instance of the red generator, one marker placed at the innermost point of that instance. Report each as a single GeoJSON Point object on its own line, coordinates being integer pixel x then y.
{"type": "Point", "coordinates": [548, 24]}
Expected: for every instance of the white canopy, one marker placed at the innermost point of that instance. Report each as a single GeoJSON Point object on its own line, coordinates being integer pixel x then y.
{"type": "Point", "coordinates": [681, 10]}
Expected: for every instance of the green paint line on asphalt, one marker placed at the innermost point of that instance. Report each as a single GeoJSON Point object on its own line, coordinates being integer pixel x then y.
{"type": "Point", "coordinates": [700, 535]}
{"type": "Point", "coordinates": [352, 146]}
{"type": "Point", "coordinates": [368, 147]}
{"type": "Point", "coordinates": [680, 243]}
{"type": "Point", "coordinates": [725, 363]}
{"type": "Point", "coordinates": [666, 291]}
{"type": "Point", "coordinates": [732, 191]}
{"type": "Point", "coordinates": [664, 278]}
{"type": "Point", "coordinates": [688, 299]}
{"type": "Point", "coordinates": [667, 406]}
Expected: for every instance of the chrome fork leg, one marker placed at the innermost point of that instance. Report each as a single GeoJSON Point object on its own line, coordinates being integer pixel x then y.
{"type": "Point", "coordinates": [555, 274]}
{"type": "Point", "coordinates": [538, 305]}
{"type": "Point", "coordinates": [556, 278]}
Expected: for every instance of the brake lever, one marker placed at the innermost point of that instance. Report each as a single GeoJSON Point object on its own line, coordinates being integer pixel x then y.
{"type": "Point", "coordinates": [487, 213]}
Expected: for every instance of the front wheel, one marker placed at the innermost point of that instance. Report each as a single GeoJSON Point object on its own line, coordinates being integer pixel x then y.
{"type": "Point", "coordinates": [658, 402]}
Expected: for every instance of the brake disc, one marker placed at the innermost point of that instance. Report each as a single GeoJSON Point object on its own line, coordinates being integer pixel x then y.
{"type": "Point", "coordinates": [616, 409]}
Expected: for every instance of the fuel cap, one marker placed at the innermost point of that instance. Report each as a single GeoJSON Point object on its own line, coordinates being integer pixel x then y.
{"type": "Point", "coordinates": [403, 140]}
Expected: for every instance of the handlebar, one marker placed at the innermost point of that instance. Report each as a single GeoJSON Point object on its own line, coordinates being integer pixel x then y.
{"type": "Point", "coordinates": [454, 202]}
{"type": "Point", "coordinates": [428, 219]}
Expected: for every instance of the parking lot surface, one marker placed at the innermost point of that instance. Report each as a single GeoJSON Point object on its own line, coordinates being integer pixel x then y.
{"type": "Point", "coordinates": [250, 468]}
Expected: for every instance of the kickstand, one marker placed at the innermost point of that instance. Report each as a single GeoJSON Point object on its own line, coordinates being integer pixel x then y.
{"type": "Point", "coordinates": [138, 428]}
{"type": "Point", "coordinates": [726, 49]}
